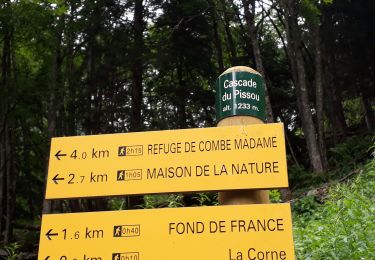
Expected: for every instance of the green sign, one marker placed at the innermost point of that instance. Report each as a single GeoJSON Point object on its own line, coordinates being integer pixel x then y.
{"type": "Point", "coordinates": [240, 93]}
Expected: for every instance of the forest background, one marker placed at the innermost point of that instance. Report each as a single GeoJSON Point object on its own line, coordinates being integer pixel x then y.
{"type": "Point", "coordinates": [108, 66]}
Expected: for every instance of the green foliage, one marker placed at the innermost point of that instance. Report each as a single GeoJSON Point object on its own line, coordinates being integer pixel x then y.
{"type": "Point", "coordinates": [162, 201]}
{"type": "Point", "coordinates": [207, 199]}
{"type": "Point", "coordinates": [151, 202]}
{"type": "Point", "coordinates": [351, 106]}
{"type": "Point", "coordinates": [344, 228]}
{"type": "Point", "coordinates": [71, 68]}
{"type": "Point", "coordinates": [117, 204]}
{"type": "Point", "coordinates": [351, 152]}
{"type": "Point", "coordinates": [301, 179]}
{"type": "Point", "coordinates": [310, 10]}
{"type": "Point", "coordinates": [305, 206]}
{"type": "Point", "coordinates": [275, 196]}
{"type": "Point", "coordinates": [343, 159]}
{"type": "Point", "coordinates": [12, 251]}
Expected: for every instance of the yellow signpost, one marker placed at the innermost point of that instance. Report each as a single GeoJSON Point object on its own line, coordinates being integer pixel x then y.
{"type": "Point", "coordinates": [206, 159]}
{"type": "Point", "coordinates": [246, 232]}
{"type": "Point", "coordinates": [239, 157]}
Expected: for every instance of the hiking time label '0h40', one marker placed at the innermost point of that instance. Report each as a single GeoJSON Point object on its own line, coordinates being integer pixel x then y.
{"type": "Point", "coordinates": [246, 232]}
{"type": "Point", "coordinates": [207, 159]}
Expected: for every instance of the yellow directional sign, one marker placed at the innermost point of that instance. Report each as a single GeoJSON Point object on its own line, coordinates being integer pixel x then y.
{"type": "Point", "coordinates": [262, 231]}
{"type": "Point", "coordinates": [225, 158]}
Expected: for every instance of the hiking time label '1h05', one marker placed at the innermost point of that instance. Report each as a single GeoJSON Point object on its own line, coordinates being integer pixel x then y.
{"type": "Point", "coordinates": [205, 159]}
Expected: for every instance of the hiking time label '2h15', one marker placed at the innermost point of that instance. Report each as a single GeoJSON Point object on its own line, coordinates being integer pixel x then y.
{"type": "Point", "coordinates": [206, 159]}
{"type": "Point", "coordinates": [247, 232]}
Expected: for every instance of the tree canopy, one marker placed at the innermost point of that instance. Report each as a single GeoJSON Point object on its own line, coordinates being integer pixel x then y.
{"type": "Point", "coordinates": [109, 66]}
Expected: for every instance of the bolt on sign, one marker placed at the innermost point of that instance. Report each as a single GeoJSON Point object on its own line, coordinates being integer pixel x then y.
{"type": "Point", "coordinates": [205, 159]}
{"type": "Point", "coordinates": [247, 232]}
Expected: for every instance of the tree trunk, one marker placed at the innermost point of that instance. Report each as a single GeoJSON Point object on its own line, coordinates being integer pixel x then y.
{"type": "Point", "coordinates": [137, 88]}
{"type": "Point", "coordinates": [54, 103]}
{"type": "Point", "coordinates": [306, 116]}
{"type": "Point", "coordinates": [3, 134]}
{"type": "Point", "coordinates": [228, 33]}
{"type": "Point", "coordinates": [333, 102]}
{"type": "Point", "coordinates": [27, 172]}
{"type": "Point", "coordinates": [11, 177]}
{"type": "Point", "coordinates": [250, 22]}
{"type": "Point", "coordinates": [71, 128]}
{"type": "Point", "coordinates": [181, 96]}
{"type": "Point", "coordinates": [332, 96]}
{"type": "Point", "coordinates": [2, 174]}
{"type": "Point", "coordinates": [319, 96]}
{"type": "Point", "coordinates": [244, 35]}
{"type": "Point", "coordinates": [217, 40]}
{"type": "Point", "coordinates": [368, 112]}
{"type": "Point", "coordinates": [298, 66]}
{"type": "Point", "coordinates": [52, 108]}
{"type": "Point", "coordinates": [6, 148]}
{"type": "Point", "coordinates": [137, 68]}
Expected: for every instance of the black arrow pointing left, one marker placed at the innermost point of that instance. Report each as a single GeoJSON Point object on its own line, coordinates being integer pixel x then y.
{"type": "Point", "coordinates": [56, 179]}
{"type": "Point", "coordinates": [49, 234]}
{"type": "Point", "coordinates": [59, 154]}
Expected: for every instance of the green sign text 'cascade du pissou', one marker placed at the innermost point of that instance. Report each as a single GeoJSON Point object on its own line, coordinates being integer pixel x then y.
{"type": "Point", "coordinates": [240, 93]}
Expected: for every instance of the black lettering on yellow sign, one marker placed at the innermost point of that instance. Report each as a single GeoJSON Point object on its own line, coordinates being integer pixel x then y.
{"type": "Point", "coordinates": [98, 154]}
{"type": "Point", "coordinates": [178, 172]}
{"type": "Point", "coordinates": [246, 168]}
{"type": "Point", "coordinates": [216, 170]}
{"type": "Point", "coordinates": [210, 159]}
{"type": "Point", "coordinates": [214, 145]}
{"type": "Point", "coordinates": [256, 225]}
{"type": "Point", "coordinates": [94, 177]}
{"type": "Point", "coordinates": [255, 143]}
{"type": "Point", "coordinates": [231, 226]}
{"type": "Point", "coordinates": [127, 231]}
{"type": "Point", "coordinates": [190, 147]}
{"type": "Point", "coordinates": [86, 257]}
{"type": "Point", "coordinates": [153, 234]}
{"type": "Point", "coordinates": [93, 233]}
{"type": "Point", "coordinates": [217, 226]}
{"type": "Point", "coordinates": [254, 254]}
{"type": "Point", "coordinates": [196, 227]}
{"type": "Point", "coordinates": [169, 148]}
{"type": "Point", "coordinates": [133, 150]}
{"type": "Point", "coordinates": [126, 256]}
{"type": "Point", "coordinates": [129, 175]}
